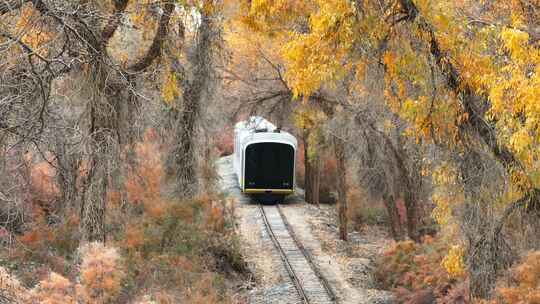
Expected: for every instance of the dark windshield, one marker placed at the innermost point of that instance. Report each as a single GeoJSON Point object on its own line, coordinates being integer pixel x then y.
{"type": "Point", "coordinates": [269, 166]}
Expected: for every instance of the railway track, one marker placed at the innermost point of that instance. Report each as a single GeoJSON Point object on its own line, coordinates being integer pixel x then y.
{"type": "Point", "coordinates": [312, 286]}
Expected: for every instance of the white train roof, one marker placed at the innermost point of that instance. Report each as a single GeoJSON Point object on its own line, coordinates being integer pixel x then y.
{"type": "Point", "coordinates": [256, 129]}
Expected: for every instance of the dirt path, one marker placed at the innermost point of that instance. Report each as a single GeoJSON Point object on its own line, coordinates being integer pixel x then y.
{"type": "Point", "coordinates": [347, 266]}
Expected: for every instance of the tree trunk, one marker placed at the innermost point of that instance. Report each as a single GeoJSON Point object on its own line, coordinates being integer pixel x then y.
{"type": "Point", "coordinates": [393, 216]}
{"type": "Point", "coordinates": [68, 171]}
{"type": "Point", "coordinates": [93, 201]}
{"type": "Point", "coordinates": [183, 154]}
{"type": "Point", "coordinates": [341, 186]}
{"type": "Point", "coordinates": [316, 179]}
{"type": "Point", "coordinates": [412, 216]}
{"type": "Point", "coordinates": [184, 150]}
{"type": "Point", "coordinates": [311, 173]}
{"type": "Point", "coordinates": [104, 105]}
{"type": "Point", "coordinates": [102, 139]}
{"type": "Point", "coordinates": [308, 191]}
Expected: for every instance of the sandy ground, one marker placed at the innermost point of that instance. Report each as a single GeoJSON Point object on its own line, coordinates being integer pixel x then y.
{"type": "Point", "coordinates": [346, 265]}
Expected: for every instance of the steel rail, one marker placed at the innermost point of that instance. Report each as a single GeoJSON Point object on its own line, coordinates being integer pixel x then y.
{"type": "Point", "coordinates": [288, 265]}
{"type": "Point", "coordinates": [308, 257]}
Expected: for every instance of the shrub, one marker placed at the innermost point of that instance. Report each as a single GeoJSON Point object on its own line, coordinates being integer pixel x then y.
{"type": "Point", "coordinates": [54, 290]}
{"type": "Point", "coordinates": [42, 181]}
{"type": "Point", "coordinates": [524, 285]}
{"type": "Point", "coordinates": [167, 249]}
{"type": "Point", "coordinates": [100, 273]}
{"type": "Point", "coordinates": [415, 271]}
{"type": "Point", "coordinates": [10, 288]}
{"type": "Point", "coordinates": [363, 211]}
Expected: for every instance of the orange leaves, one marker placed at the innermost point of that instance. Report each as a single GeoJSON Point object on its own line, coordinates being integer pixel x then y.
{"type": "Point", "coordinates": [38, 236]}
{"type": "Point", "coordinates": [44, 187]}
{"type": "Point", "coordinates": [134, 236]}
{"type": "Point", "coordinates": [216, 218]}
{"type": "Point", "coordinates": [413, 268]}
{"type": "Point", "coordinates": [55, 289]}
{"type": "Point", "coordinates": [100, 273]}
{"type": "Point", "coordinates": [143, 183]}
{"type": "Point", "coordinates": [100, 280]}
{"type": "Point", "coordinates": [525, 287]}
{"type": "Point", "coordinates": [32, 30]}
{"type": "Point", "coordinates": [35, 238]}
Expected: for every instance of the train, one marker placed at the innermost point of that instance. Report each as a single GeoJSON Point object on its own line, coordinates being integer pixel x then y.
{"type": "Point", "coordinates": [264, 160]}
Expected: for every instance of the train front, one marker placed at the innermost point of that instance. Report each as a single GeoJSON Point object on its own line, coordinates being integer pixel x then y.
{"type": "Point", "coordinates": [268, 165]}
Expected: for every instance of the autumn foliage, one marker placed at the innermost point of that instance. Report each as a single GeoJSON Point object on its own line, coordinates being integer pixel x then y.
{"type": "Point", "coordinates": [523, 285]}
{"type": "Point", "coordinates": [98, 281]}
{"type": "Point", "coordinates": [185, 245]}
{"type": "Point", "coordinates": [417, 272]}
{"type": "Point", "coordinates": [101, 273]}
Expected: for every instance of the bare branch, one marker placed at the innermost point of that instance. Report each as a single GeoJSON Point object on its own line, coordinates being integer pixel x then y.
{"type": "Point", "coordinates": [155, 49]}
{"type": "Point", "coordinates": [7, 6]}
{"type": "Point", "coordinates": [114, 22]}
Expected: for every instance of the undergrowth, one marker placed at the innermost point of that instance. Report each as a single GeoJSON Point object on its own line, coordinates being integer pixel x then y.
{"type": "Point", "coordinates": [415, 272]}
{"type": "Point", "coordinates": [160, 249]}
{"type": "Point", "coordinates": [419, 273]}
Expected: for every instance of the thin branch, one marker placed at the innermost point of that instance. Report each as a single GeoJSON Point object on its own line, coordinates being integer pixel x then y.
{"type": "Point", "coordinates": [7, 6]}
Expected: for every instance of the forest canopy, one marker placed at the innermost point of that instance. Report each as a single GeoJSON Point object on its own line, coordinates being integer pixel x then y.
{"type": "Point", "coordinates": [112, 114]}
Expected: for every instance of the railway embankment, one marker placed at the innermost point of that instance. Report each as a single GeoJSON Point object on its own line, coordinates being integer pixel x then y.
{"type": "Point", "coordinates": [307, 236]}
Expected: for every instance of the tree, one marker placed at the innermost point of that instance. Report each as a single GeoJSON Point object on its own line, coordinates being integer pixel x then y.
{"type": "Point", "coordinates": [194, 87]}
{"type": "Point", "coordinates": [458, 73]}
{"type": "Point", "coordinates": [81, 43]}
{"type": "Point", "coordinates": [311, 120]}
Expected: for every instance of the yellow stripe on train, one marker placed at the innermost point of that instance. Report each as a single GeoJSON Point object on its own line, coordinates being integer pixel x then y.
{"type": "Point", "coordinates": [281, 191]}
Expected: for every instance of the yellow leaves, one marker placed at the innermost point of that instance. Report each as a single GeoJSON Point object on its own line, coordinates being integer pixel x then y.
{"type": "Point", "coordinates": [520, 141]}
{"type": "Point", "coordinates": [271, 16]}
{"type": "Point", "coordinates": [140, 14]}
{"type": "Point", "coordinates": [308, 118]}
{"type": "Point", "coordinates": [445, 174]}
{"type": "Point", "coordinates": [170, 89]}
{"type": "Point", "coordinates": [515, 42]}
{"type": "Point", "coordinates": [513, 89]}
{"type": "Point", "coordinates": [520, 180]}
{"type": "Point", "coordinates": [389, 60]}
{"type": "Point", "coordinates": [447, 195]}
{"type": "Point", "coordinates": [477, 70]}
{"type": "Point", "coordinates": [318, 57]}
{"type": "Point", "coordinates": [442, 211]}
{"type": "Point", "coordinates": [453, 262]}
